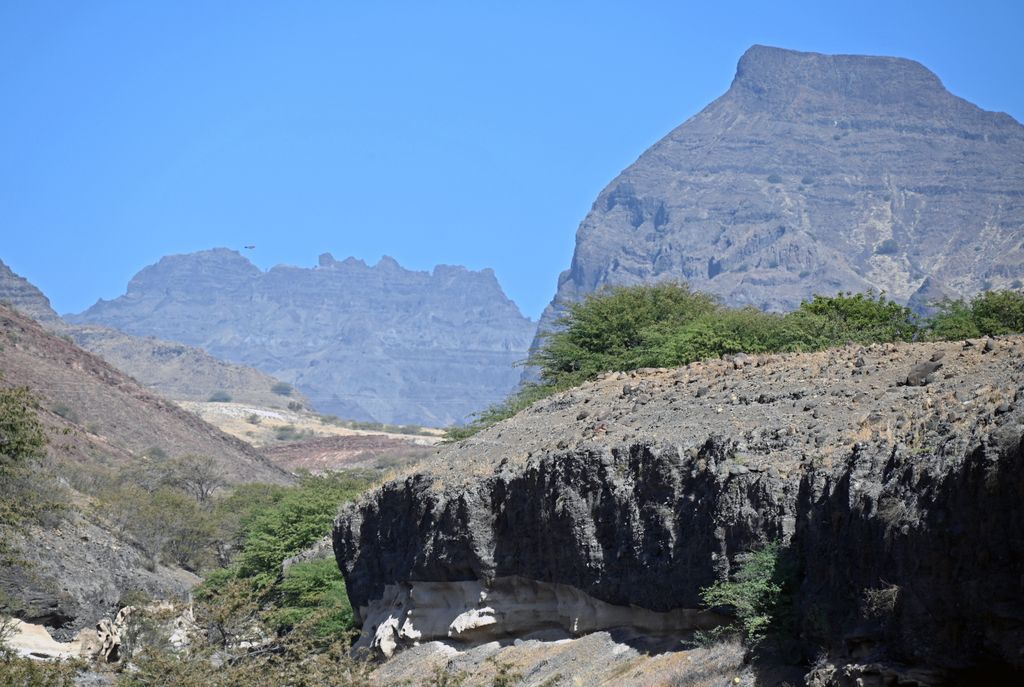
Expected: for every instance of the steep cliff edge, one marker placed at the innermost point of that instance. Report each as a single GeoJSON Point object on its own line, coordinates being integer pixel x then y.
{"type": "Point", "coordinates": [892, 471]}
{"type": "Point", "coordinates": [814, 174]}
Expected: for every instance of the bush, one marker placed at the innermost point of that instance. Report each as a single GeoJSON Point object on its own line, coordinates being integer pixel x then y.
{"type": "Point", "coordinates": [667, 325]}
{"type": "Point", "coordinates": [282, 389]}
{"type": "Point", "coordinates": [758, 593]}
{"type": "Point", "coordinates": [887, 247]}
{"type": "Point", "coordinates": [314, 588]}
{"type": "Point", "coordinates": [863, 318]}
{"type": "Point", "coordinates": [220, 397]}
{"type": "Point", "coordinates": [774, 179]}
{"type": "Point", "coordinates": [298, 520]}
{"type": "Point", "coordinates": [26, 492]}
{"type": "Point", "coordinates": [613, 329]}
{"type": "Point", "coordinates": [990, 313]}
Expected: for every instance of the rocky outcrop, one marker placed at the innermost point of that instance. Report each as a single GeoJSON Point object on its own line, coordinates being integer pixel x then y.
{"type": "Point", "coordinates": [365, 342]}
{"type": "Point", "coordinates": [898, 504]}
{"type": "Point", "coordinates": [814, 174]}
{"type": "Point", "coordinates": [18, 292]}
{"type": "Point", "coordinates": [71, 574]}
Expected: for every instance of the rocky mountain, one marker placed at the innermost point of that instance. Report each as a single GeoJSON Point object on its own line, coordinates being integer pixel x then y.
{"type": "Point", "coordinates": [365, 342]}
{"type": "Point", "coordinates": [107, 414]}
{"type": "Point", "coordinates": [815, 174]}
{"type": "Point", "coordinates": [892, 474]}
{"type": "Point", "coordinates": [179, 372]}
{"type": "Point", "coordinates": [20, 293]}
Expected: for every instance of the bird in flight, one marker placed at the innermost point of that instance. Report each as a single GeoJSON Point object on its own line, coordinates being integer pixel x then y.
{"type": "Point", "coordinates": [249, 247]}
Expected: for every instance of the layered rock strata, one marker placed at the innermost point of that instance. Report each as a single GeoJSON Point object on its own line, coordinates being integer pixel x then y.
{"type": "Point", "coordinates": [899, 504]}
{"type": "Point", "coordinates": [815, 174]}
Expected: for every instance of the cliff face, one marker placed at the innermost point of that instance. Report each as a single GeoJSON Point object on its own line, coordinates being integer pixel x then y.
{"type": "Point", "coordinates": [380, 342]}
{"type": "Point", "coordinates": [21, 294]}
{"type": "Point", "coordinates": [814, 174]}
{"type": "Point", "coordinates": [896, 487]}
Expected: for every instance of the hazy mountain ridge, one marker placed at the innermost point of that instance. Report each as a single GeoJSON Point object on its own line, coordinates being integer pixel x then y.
{"type": "Point", "coordinates": [814, 174]}
{"type": "Point", "coordinates": [367, 342]}
{"type": "Point", "coordinates": [174, 370]}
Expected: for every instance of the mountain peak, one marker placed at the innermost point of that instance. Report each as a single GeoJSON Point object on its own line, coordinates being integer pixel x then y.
{"type": "Point", "coordinates": [814, 174]}
{"type": "Point", "coordinates": [776, 76]}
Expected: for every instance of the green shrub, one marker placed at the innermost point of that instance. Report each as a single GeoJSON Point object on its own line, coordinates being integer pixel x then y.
{"type": "Point", "coordinates": [299, 519]}
{"type": "Point", "coordinates": [990, 313]}
{"type": "Point", "coordinates": [759, 593]}
{"type": "Point", "coordinates": [282, 389]}
{"type": "Point", "coordinates": [774, 179]}
{"type": "Point", "coordinates": [667, 325]}
{"type": "Point", "coordinates": [220, 397]}
{"type": "Point", "coordinates": [314, 588]}
{"type": "Point", "coordinates": [26, 491]}
{"type": "Point", "coordinates": [861, 318]}
{"type": "Point", "coordinates": [613, 329]}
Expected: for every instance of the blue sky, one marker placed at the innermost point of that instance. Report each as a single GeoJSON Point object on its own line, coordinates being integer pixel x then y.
{"type": "Point", "coordinates": [473, 133]}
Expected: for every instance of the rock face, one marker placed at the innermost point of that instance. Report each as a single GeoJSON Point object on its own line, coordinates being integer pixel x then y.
{"type": "Point", "coordinates": [814, 174]}
{"type": "Point", "coordinates": [380, 343]}
{"type": "Point", "coordinates": [899, 504]}
{"type": "Point", "coordinates": [21, 294]}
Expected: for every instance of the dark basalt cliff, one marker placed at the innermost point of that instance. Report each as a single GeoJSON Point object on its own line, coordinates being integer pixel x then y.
{"type": "Point", "coordinates": [896, 488]}
{"type": "Point", "coordinates": [814, 174]}
{"type": "Point", "coordinates": [365, 342]}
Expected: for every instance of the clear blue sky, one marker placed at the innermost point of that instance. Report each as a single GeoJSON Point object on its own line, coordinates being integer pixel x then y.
{"type": "Point", "coordinates": [474, 133]}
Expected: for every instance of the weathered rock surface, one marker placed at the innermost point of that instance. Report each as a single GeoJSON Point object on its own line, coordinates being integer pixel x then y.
{"type": "Point", "coordinates": [370, 343]}
{"type": "Point", "coordinates": [73, 574]}
{"type": "Point", "coordinates": [900, 504]}
{"type": "Point", "coordinates": [814, 174]}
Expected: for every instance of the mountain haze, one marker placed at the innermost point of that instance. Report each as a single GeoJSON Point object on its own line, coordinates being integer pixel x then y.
{"type": "Point", "coordinates": [174, 370]}
{"type": "Point", "coordinates": [366, 342]}
{"type": "Point", "coordinates": [815, 174]}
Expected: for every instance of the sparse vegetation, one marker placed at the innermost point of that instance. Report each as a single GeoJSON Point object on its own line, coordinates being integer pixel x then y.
{"type": "Point", "coordinates": [666, 325]}
{"type": "Point", "coordinates": [26, 492]}
{"type": "Point", "coordinates": [374, 426]}
{"type": "Point", "coordinates": [220, 397]}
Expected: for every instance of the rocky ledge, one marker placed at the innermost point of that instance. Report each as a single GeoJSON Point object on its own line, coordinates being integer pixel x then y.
{"type": "Point", "coordinates": [894, 473]}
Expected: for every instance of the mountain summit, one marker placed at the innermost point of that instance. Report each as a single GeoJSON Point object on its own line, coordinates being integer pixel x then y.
{"type": "Point", "coordinates": [366, 342]}
{"type": "Point", "coordinates": [814, 174]}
